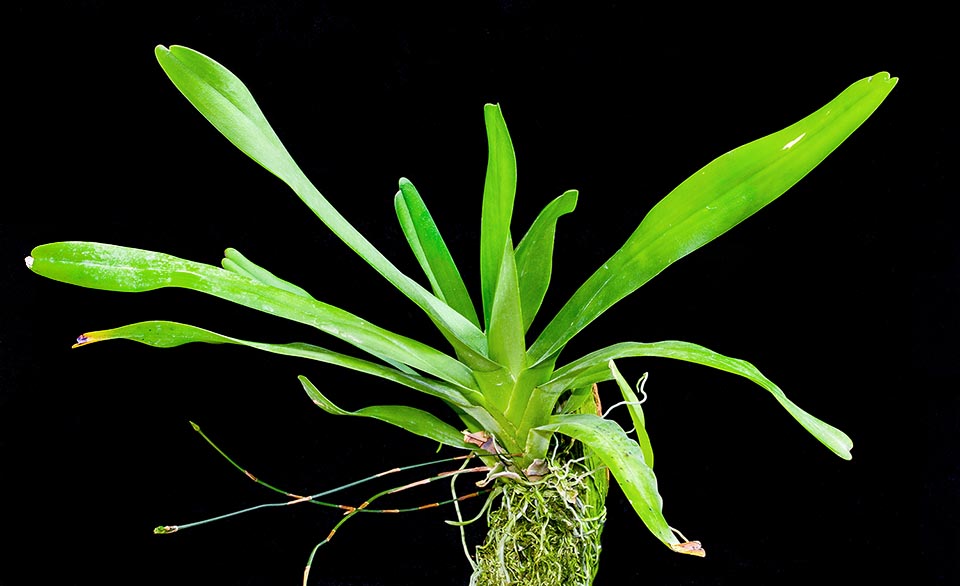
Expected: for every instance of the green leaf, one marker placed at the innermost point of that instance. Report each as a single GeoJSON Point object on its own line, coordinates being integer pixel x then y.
{"type": "Point", "coordinates": [713, 200]}
{"type": "Point", "coordinates": [117, 268]}
{"type": "Point", "coordinates": [167, 334]}
{"type": "Point", "coordinates": [636, 413]}
{"type": "Point", "coordinates": [431, 251]}
{"type": "Point", "coordinates": [226, 102]}
{"type": "Point", "coordinates": [499, 190]}
{"type": "Point", "coordinates": [237, 263]}
{"type": "Point", "coordinates": [413, 420]}
{"type": "Point", "coordinates": [534, 255]}
{"type": "Point", "coordinates": [593, 368]}
{"type": "Point", "coordinates": [505, 324]}
{"type": "Point", "coordinates": [624, 458]}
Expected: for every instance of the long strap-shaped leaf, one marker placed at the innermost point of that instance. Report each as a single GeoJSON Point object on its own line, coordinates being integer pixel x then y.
{"type": "Point", "coordinates": [713, 200]}
{"type": "Point", "coordinates": [414, 420]}
{"type": "Point", "coordinates": [502, 309]}
{"type": "Point", "coordinates": [624, 458]}
{"type": "Point", "coordinates": [235, 262]}
{"type": "Point", "coordinates": [226, 102]}
{"type": "Point", "coordinates": [168, 334]}
{"type": "Point", "coordinates": [431, 251]}
{"type": "Point", "coordinates": [499, 190]}
{"type": "Point", "coordinates": [534, 255]}
{"type": "Point", "coordinates": [117, 268]}
{"type": "Point", "coordinates": [594, 368]}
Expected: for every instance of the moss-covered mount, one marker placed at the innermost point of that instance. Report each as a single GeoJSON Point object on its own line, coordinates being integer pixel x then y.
{"type": "Point", "coordinates": [550, 472]}
{"type": "Point", "coordinates": [545, 530]}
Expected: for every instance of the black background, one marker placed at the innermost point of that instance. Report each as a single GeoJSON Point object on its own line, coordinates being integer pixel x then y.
{"type": "Point", "coordinates": [843, 291]}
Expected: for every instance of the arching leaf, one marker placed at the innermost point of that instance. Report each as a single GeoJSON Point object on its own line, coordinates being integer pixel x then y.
{"type": "Point", "coordinates": [410, 419]}
{"type": "Point", "coordinates": [716, 198]}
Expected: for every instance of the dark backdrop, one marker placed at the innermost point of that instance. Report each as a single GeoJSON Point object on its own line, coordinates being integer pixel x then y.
{"type": "Point", "coordinates": [843, 292]}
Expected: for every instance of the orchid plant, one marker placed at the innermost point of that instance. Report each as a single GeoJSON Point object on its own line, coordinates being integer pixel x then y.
{"type": "Point", "coordinates": [530, 415]}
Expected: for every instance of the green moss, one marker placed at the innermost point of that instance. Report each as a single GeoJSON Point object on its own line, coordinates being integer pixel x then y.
{"type": "Point", "coordinates": [545, 532]}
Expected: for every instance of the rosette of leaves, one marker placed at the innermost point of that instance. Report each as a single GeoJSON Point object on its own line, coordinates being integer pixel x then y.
{"type": "Point", "coordinates": [500, 384]}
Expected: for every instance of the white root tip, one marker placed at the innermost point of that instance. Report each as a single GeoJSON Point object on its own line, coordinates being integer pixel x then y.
{"type": "Point", "coordinates": [29, 261]}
